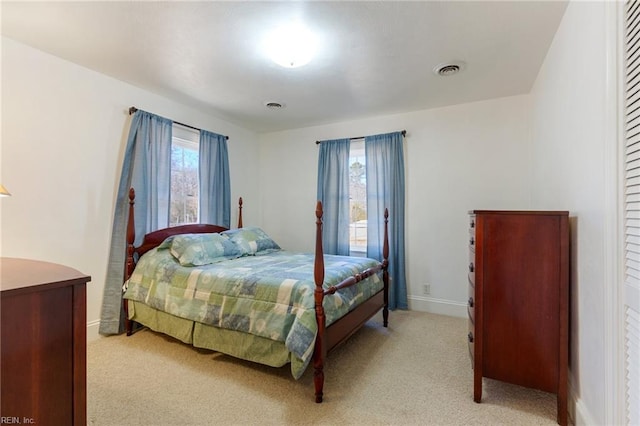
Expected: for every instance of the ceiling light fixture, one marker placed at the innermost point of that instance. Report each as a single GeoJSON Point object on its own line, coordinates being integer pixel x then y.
{"type": "Point", "coordinates": [449, 68]}
{"type": "Point", "coordinates": [291, 46]}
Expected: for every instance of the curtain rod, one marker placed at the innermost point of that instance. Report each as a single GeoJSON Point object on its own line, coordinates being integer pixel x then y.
{"type": "Point", "coordinates": [404, 133]}
{"type": "Point", "coordinates": [133, 109]}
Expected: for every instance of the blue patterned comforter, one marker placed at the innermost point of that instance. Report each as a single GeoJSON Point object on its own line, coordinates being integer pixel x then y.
{"type": "Point", "coordinates": [269, 295]}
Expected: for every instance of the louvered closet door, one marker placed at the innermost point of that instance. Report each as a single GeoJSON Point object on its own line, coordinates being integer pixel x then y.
{"type": "Point", "coordinates": [632, 214]}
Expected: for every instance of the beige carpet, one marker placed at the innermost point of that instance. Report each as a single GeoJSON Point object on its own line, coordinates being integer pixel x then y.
{"type": "Point", "coordinates": [416, 372]}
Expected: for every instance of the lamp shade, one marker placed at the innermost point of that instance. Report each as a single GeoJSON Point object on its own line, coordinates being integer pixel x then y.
{"type": "Point", "coordinates": [4, 192]}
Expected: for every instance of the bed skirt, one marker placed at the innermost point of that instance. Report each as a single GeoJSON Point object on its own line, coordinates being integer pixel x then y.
{"type": "Point", "coordinates": [235, 343]}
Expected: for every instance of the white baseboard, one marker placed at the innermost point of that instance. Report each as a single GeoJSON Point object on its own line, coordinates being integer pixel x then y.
{"type": "Point", "coordinates": [438, 306]}
{"type": "Point", "coordinates": [579, 412]}
{"type": "Point", "coordinates": [93, 328]}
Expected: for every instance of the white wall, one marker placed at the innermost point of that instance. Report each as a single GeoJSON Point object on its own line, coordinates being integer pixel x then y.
{"type": "Point", "coordinates": [64, 130]}
{"type": "Point", "coordinates": [472, 156]}
{"type": "Point", "coordinates": [569, 134]}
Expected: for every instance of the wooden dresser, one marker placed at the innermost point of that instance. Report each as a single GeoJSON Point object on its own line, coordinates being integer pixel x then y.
{"type": "Point", "coordinates": [43, 365]}
{"type": "Point", "coordinates": [519, 300]}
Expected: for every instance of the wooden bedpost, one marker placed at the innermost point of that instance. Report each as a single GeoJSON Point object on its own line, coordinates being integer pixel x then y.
{"type": "Point", "coordinates": [240, 213]}
{"type": "Point", "coordinates": [385, 272]}
{"type": "Point", "coordinates": [129, 264]}
{"type": "Point", "coordinates": [318, 274]}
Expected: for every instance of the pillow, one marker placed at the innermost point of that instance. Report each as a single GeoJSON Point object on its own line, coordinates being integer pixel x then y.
{"type": "Point", "coordinates": [202, 249]}
{"type": "Point", "coordinates": [252, 241]}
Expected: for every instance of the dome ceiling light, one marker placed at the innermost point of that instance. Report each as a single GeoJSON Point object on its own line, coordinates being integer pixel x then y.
{"type": "Point", "coordinates": [291, 46]}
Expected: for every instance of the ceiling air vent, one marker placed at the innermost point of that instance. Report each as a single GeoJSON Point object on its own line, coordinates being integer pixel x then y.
{"type": "Point", "coordinates": [448, 69]}
{"type": "Point", "coordinates": [274, 105]}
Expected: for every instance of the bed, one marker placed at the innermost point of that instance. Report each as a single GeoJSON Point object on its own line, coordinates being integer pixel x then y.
{"type": "Point", "coordinates": [236, 292]}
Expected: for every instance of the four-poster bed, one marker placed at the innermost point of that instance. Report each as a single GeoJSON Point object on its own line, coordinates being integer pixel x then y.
{"type": "Point", "coordinates": [276, 308]}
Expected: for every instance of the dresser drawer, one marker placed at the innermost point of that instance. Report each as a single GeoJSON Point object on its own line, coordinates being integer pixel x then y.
{"type": "Point", "coordinates": [472, 252]}
{"type": "Point", "coordinates": [471, 305]}
{"type": "Point", "coordinates": [470, 342]}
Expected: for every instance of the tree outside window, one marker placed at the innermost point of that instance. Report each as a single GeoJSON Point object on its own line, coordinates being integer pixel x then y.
{"type": "Point", "coordinates": [357, 199]}
{"type": "Point", "coordinates": [184, 181]}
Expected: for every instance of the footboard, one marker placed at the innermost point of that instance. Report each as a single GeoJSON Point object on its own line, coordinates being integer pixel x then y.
{"type": "Point", "coordinates": [330, 337]}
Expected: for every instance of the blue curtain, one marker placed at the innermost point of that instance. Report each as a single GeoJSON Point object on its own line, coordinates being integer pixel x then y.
{"type": "Point", "coordinates": [215, 187]}
{"type": "Point", "coordinates": [384, 156]}
{"type": "Point", "coordinates": [146, 168]}
{"type": "Point", "coordinates": [333, 192]}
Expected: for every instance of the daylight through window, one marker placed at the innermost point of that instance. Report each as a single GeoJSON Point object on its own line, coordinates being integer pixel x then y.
{"type": "Point", "coordinates": [184, 177]}
{"type": "Point", "coordinates": [357, 199]}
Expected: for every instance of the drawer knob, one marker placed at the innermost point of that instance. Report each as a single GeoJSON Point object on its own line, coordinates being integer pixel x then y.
{"type": "Point", "coordinates": [473, 223]}
{"type": "Point", "coordinates": [470, 337]}
{"type": "Point", "coordinates": [472, 241]}
{"type": "Point", "coordinates": [471, 302]}
{"type": "Point", "coordinates": [471, 267]}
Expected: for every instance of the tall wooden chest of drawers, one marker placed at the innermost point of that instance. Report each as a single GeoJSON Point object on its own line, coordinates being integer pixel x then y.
{"type": "Point", "coordinates": [519, 300]}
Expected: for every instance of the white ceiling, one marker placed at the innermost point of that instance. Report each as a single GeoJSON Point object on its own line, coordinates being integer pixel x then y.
{"type": "Point", "coordinates": [376, 58]}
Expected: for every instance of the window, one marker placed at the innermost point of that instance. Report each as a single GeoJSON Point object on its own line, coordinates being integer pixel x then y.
{"type": "Point", "coordinates": [357, 199]}
{"type": "Point", "coordinates": [184, 177]}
